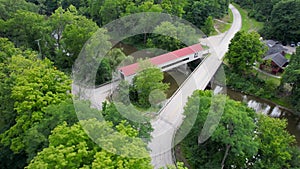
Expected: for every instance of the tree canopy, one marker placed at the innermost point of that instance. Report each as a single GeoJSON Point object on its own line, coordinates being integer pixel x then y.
{"type": "Point", "coordinates": [242, 139]}
{"type": "Point", "coordinates": [292, 76]}
{"type": "Point", "coordinates": [244, 50]}
{"type": "Point", "coordinates": [70, 147]}
{"type": "Point", "coordinates": [145, 83]}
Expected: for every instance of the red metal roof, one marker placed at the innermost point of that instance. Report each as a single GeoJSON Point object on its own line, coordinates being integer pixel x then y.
{"type": "Point", "coordinates": [162, 59]}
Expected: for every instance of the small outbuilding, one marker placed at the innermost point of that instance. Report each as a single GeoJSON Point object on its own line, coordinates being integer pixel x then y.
{"type": "Point", "coordinates": [278, 62]}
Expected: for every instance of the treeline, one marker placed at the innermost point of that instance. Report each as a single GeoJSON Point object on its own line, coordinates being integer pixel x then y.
{"type": "Point", "coordinates": [281, 18]}
{"type": "Point", "coordinates": [58, 29]}
{"type": "Point", "coordinates": [39, 43]}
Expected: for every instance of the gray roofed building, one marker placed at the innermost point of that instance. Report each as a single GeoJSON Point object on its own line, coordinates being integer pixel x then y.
{"type": "Point", "coordinates": [270, 43]}
{"type": "Point", "coordinates": [277, 48]}
{"type": "Point", "coordinates": [278, 59]}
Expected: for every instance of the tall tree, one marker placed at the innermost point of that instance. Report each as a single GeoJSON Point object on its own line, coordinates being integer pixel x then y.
{"type": "Point", "coordinates": [70, 147]}
{"type": "Point", "coordinates": [70, 32]}
{"type": "Point", "coordinates": [283, 24]}
{"type": "Point", "coordinates": [26, 29]}
{"type": "Point", "coordinates": [275, 144]}
{"type": "Point", "coordinates": [244, 50]}
{"type": "Point", "coordinates": [37, 84]}
{"type": "Point", "coordinates": [171, 37]}
{"type": "Point", "coordinates": [292, 76]}
{"type": "Point", "coordinates": [146, 81]}
{"type": "Point", "coordinates": [8, 8]}
{"type": "Point", "coordinates": [232, 141]}
{"type": "Point", "coordinates": [112, 10]}
{"type": "Point", "coordinates": [198, 11]}
{"type": "Point", "coordinates": [208, 27]}
{"type": "Point", "coordinates": [242, 138]}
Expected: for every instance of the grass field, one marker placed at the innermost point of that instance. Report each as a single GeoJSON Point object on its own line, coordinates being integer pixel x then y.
{"type": "Point", "coordinates": [225, 23]}
{"type": "Point", "coordinates": [248, 24]}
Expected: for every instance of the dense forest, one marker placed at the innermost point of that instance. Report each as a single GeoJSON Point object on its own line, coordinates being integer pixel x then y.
{"type": "Point", "coordinates": [281, 18]}
{"type": "Point", "coordinates": [39, 42]}
{"type": "Point", "coordinates": [39, 127]}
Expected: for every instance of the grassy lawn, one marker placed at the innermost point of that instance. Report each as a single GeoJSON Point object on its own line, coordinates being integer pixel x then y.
{"type": "Point", "coordinates": [226, 24]}
{"type": "Point", "coordinates": [248, 24]}
{"type": "Point", "coordinates": [266, 78]}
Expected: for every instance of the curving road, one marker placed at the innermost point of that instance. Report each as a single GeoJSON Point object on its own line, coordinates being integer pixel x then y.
{"type": "Point", "coordinates": [171, 116]}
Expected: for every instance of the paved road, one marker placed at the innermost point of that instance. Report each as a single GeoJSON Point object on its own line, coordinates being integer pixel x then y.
{"type": "Point", "coordinates": [171, 117]}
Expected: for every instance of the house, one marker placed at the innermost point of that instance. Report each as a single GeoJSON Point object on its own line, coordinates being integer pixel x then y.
{"type": "Point", "coordinates": [278, 62]}
{"type": "Point", "coordinates": [270, 43]}
{"type": "Point", "coordinates": [276, 53]}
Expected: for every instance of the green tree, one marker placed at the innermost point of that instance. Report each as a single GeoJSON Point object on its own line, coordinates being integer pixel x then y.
{"type": "Point", "coordinates": [174, 7]}
{"type": "Point", "coordinates": [276, 144]}
{"type": "Point", "coordinates": [137, 119]}
{"type": "Point", "coordinates": [146, 81]}
{"type": "Point", "coordinates": [112, 10]}
{"type": "Point", "coordinates": [176, 36]}
{"type": "Point", "coordinates": [7, 113]}
{"type": "Point", "coordinates": [70, 147]}
{"type": "Point", "coordinates": [231, 142]}
{"type": "Point", "coordinates": [71, 32]}
{"type": "Point", "coordinates": [198, 11]}
{"type": "Point", "coordinates": [292, 76]}
{"type": "Point", "coordinates": [179, 165]}
{"type": "Point", "coordinates": [283, 24]}
{"type": "Point", "coordinates": [26, 29]}
{"type": "Point", "coordinates": [104, 73]}
{"type": "Point", "coordinates": [244, 50]}
{"type": "Point", "coordinates": [242, 139]}
{"type": "Point", "coordinates": [8, 8]}
{"type": "Point", "coordinates": [208, 27]}
{"type": "Point", "coordinates": [37, 84]}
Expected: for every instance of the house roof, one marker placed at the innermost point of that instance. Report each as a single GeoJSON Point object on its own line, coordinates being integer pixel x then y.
{"type": "Point", "coordinates": [277, 58]}
{"type": "Point", "coordinates": [270, 43]}
{"type": "Point", "coordinates": [275, 49]}
{"type": "Point", "coordinates": [162, 59]}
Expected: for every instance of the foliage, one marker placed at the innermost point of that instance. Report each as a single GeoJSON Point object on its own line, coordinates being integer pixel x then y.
{"type": "Point", "coordinates": [232, 141]}
{"type": "Point", "coordinates": [171, 37]}
{"type": "Point", "coordinates": [37, 84]}
{"type": "Point", "coordinates": [179, 165]}
{"type": "Point", "coordinates": [250, 84]}
{"type": "Point", "coordinates": [242, 139]}
{"type": "Point", "coordinates": [197, 12]}
{"type": "Point", "coordinates": [8, 7]}
{"type": "Point", "coordinates": [208, 27]}
{"type": "Point", "coordinates": [70, 32]}
{"type": "Point", "coordinates": [244, 50]}
{"type": "Point", "coordinates": [275, 144]}
{"type": "Point", "coordinates": [283, 24]}
{"type": "Point", "coordinates": [7, 112]}
{"type": "Point", "coordinates": [248, 23]}
{"type": "Point", "coordinates": [70, 147]}
{"type": "Point", "coordinates": [260, 10]}
{"type": "Point", "coordinates": [292, 76]}
{"type": "Point", "coordinates": [118, 113]}
{"type": "Point", "coordinates": [25, 29]}
{"type": "Point", "coordinates": [145, 82]}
